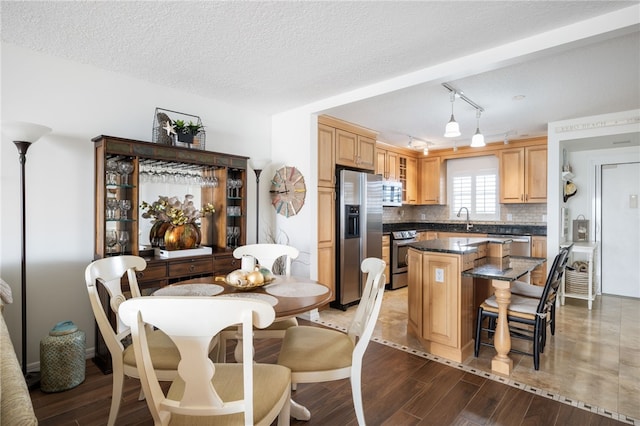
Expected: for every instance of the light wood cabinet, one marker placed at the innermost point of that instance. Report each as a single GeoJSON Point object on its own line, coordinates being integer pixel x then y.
{"type": "Point", "coordinates": [326, 155]}
{"type": "Point", "coordinates": [354, 150]}
{"type": "Point", "coordinates": [426, 235]}
{"type": "Point", "coordinates": [326, 237]}
{"type": "Point", "coordinates": [433, 181]}
{"type": "Point", "coordinates": [539, 249]}
{"type": "Point", "coordinates": [408, 171]}
{"type": "Point", "coordinates": [440, 304]}
{"type": "Point", "coordinates": [386, 256]}
{"type": "Point", "coordinates": [414, 292]}
{"type": "Point", "coordinates": [523, 175]}
{"type": "Point", "coordinates": [387, 164]}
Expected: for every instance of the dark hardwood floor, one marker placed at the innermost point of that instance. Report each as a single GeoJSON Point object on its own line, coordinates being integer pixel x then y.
{"type": "Point", "coordinates": [398, 389]}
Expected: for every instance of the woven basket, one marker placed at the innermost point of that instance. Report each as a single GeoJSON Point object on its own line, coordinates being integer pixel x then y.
{"type": "Point", "coordinates": [576, 282]}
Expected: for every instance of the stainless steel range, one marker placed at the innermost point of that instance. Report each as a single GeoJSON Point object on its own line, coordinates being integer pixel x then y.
{"type": "Point", "coordinates": [399, 248]}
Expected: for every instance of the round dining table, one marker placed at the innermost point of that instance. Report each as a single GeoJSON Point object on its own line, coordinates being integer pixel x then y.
{"type": "Point", "coordinates": [289, 295]}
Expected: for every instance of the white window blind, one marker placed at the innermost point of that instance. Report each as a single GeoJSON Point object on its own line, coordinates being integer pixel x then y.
{"type": "Point", "coordinates": [473, 183]}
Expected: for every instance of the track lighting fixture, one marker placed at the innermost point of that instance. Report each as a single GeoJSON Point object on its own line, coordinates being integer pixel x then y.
{"type": "Point", "coordinates": [425, 151]}
{"type": "Point", "coordinates": [455, 146]}
{"type": "Point", "coordinates": [478, 138]}
{"type": "Point", "coordinates": [452, 129]}
{"type": "Point", "coordinates": [410, 144]}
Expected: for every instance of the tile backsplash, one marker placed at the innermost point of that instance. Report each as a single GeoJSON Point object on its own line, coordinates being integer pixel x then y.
{"type": "Point", "coordinates": [520, 214]}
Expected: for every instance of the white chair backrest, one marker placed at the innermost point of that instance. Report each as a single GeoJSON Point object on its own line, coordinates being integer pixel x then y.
{"type": "Point", "coordinates": [108, 272]}
{"type": "Point", "coordinates": [192, 323]}
{"type": "Point", "coordinates": [267, 254]}
{"type": "Point", "coordinates": [364, 321]}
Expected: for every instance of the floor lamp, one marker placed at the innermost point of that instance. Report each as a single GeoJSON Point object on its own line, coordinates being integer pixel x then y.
{"type": "Point", "coordinates": [23, 135]}
{"type": "Point", "coordinates": [258, 166]}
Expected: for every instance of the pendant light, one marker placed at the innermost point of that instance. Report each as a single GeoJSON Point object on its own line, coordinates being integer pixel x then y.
{"type": "Point", "coordinates": [453, 128]}
{"type": "Point", "coordinates": [478, 138]}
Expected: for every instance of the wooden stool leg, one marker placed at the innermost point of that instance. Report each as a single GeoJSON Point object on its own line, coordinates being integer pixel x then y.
{"type": "Point", "coordinates": [501, 363]}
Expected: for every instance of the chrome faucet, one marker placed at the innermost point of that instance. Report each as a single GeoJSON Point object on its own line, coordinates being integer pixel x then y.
{"type": "Point", "coordinates": [469, 226]}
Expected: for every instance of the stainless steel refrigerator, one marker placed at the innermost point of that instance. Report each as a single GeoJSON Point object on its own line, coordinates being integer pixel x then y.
{"type": "Point", "coordinates": [359, 227]}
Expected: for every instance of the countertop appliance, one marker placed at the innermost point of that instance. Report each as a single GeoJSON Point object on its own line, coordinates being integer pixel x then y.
{"type": "Point", "coordinates": [400, 241]}
{"type": "Point", "coordinates": [359, 228]}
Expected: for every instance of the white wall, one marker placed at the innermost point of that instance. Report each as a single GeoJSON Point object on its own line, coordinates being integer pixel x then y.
{"type": "Point", "coordinates": [562, 134]}
{"type": "Point", "coordinates": [80, 102]}
{"type": "Point", "coordinates": [583, 165]}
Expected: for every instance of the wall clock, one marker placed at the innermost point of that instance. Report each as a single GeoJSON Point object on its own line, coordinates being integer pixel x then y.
{"type": "Point", "coordinates": [288, 191]}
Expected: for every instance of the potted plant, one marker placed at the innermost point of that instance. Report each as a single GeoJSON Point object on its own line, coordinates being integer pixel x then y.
{"type": "Point", "coordinates": [186, 131]}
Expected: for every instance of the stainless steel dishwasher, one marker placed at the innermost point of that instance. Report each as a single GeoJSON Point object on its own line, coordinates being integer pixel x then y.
{"type": "Point", "coordinates": [520, 244]}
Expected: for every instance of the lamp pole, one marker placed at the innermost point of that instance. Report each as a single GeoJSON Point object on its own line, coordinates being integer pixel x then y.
{"type": "Point", "coordinates": [22, 158]}
{"type": "Point", "coordinates": [258, 166]}
{"type": "Point", "coordinates": [23, 136]}
{"type": "Point", "coordinates": [257, 172]}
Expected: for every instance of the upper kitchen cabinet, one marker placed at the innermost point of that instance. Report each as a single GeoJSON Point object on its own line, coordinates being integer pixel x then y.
{"type": "Point", "coordinates": [523, 174]}
{"type": "Point", "coordinates": [355, 150]}
{"type": "Point", "coordinates": [387, 164]}
{"type": "Point", "coordinates": [326, 155]}
{"type": "Point", "coordinates": [355, 146]}
{"type": "Point", "coordinates": [408, 170]}
{"type": "Point", "coordinates": [433, 181]}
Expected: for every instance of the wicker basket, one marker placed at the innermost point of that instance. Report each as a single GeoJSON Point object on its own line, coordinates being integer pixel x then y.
{"type": "Point", "coordinates": [160, 136]}
{"type": "Point", "coordinates": [576, 282]}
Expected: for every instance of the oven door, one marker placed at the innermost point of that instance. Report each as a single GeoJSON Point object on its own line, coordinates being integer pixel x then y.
{"type": "Point", "coordinates": [399, 255]}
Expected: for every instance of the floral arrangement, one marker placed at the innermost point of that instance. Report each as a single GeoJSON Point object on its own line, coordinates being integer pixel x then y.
{"type": "Point", "coordinates": [174, 211]}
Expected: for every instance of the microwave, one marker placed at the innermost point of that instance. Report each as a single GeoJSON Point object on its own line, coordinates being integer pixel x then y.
{"type": "Point", "coordinates": [391, 193]}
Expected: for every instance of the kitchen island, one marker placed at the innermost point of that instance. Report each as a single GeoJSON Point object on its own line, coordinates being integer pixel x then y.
{"type": "Point", "coordinates": [443, 275]}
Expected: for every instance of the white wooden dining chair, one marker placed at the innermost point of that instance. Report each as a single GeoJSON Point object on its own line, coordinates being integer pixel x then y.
{"type": "Point", "coordinates": [206, 393]}
{"type": "Point", "coordinates": [266, 256]}
{"type": "Point", "coordinates": [108, 273]}
{"type": "Point", "coordinates": [316, 354]}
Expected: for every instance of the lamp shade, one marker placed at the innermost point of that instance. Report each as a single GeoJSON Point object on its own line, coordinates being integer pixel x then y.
{"type": "Point", "coordinates": [259, 163]}
{"type": "Point", "coordinates": [453, 128]}
{"type": "Point", "coordinates": [477, 140]}
{"type": "Point", "coordinates": [20, 131]}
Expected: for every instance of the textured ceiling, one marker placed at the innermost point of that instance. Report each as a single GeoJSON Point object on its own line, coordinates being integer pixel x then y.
{"type": "Point", "coordinates": [274, 56]}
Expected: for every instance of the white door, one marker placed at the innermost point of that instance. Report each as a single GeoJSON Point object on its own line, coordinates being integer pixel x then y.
{"type": "Point", "coordinates": [621, 229]}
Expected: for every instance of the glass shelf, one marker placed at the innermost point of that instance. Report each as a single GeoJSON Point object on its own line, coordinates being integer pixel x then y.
{"type": "Point", "coordinates": [127, 186]}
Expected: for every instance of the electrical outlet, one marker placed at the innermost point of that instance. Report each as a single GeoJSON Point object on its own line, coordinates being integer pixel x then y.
{"type": "Point", "coordinates": [509, 217]}
{"type": "Point", "coordinates": [439, 275]}
{"type": "Point", "coordinates": [544, 217]}
{"type": "Point", "coordinates": [423, 216]}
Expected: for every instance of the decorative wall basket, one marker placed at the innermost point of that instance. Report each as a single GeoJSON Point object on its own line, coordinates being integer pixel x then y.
{"type": "Point", "coordinates": [188, 131]}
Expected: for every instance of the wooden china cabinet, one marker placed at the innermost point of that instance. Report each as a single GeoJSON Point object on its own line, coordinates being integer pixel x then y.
{"type": "Point", "coordinates": [221, 179]}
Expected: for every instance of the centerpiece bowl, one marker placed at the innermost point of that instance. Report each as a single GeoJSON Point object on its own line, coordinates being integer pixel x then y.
{"type": "Point", "coordinates": [246, 281]}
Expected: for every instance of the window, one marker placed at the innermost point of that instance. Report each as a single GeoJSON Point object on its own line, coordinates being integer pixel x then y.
{"type": "Point", "coordinates": [473, 183]}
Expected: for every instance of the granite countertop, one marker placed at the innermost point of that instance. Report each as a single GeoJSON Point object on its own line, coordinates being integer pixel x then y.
{"type": "Point", "coordinates": [455, 245]}
{"type": "Point", "coordinates": [478, 228]}
{"type": "Point", "coordinates": [508, 268]}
